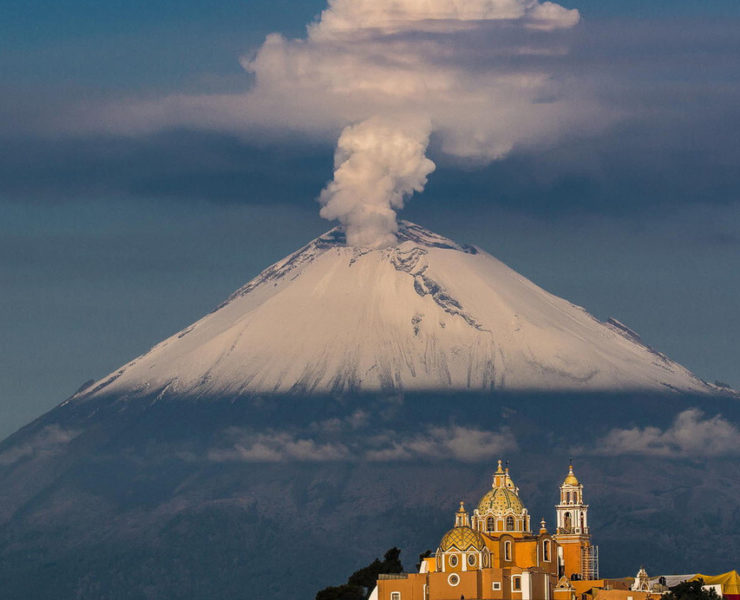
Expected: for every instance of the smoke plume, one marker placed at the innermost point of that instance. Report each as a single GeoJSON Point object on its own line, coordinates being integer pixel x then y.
{"type": "Point", "coordinates": [378, 163]}
{"type": "Point", "coordinates": [390, 56]}
{"type": "Point", "coordinates": [485, 77]}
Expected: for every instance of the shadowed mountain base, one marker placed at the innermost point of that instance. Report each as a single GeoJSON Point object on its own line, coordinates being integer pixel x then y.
{"type": "Point", "coordinates": [277, 497]}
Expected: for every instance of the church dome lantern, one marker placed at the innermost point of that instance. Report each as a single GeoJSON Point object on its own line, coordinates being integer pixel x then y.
{"type": "Point", "coordinates": [501, 510]}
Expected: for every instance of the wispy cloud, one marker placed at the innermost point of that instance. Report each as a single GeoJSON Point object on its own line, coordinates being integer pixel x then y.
{"type": "Point", "coordinates": [47, 441]}
{"type": "Point", "coordinates": [454, 442]}
{"type": "Point", "coordinates": [276, 446]}
{"type": "Point", "coordinates": [389, 74]}
{"type": "Point", "coordinates": [691, 434]}
{"type": "Point", "coordinates": [356, 420]}
{"type": "Point", "coordinates": [433, 442]}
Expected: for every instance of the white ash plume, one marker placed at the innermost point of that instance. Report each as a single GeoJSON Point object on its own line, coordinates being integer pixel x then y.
{"type": "Point", "coordinates": [378, 164]}
{"type": "Point", "coordinates": [486, 77]}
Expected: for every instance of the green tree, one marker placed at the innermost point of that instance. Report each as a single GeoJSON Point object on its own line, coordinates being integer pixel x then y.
{"type": "Point", "coordinates": [342, 592]}
{"type": "Point", "coordinates": [367, 576]}
{"type": "Point", "coordinates": [422, 556]}
{"type": "Point", "coordinates": [690, 590]}
{"type": "Point", "coordinates": [361, 583]}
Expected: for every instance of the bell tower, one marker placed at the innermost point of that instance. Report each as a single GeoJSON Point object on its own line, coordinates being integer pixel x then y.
{"type": "Point", "coordinates": [578, 558]}
{"type": "Point", "coordinates": [572, 513]}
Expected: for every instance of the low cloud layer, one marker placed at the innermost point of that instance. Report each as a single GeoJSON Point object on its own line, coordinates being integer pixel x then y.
{"type": "Point", "coordinates": [277, 447]}
{"type": "Point", "coordinates": [453, 442]}
{"type": "Point", "coordinates": [691, 434]}
{"type": "Point", "coordinates": [48, 441]}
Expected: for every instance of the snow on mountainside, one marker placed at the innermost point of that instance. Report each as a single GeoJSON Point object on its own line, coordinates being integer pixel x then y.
{"type": "Point", "coordinates": [426, 314]}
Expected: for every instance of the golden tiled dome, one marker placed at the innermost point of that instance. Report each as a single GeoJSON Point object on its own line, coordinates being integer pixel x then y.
{"type": "Point", "coordinates": [570, 478]}
{"type": "Point", "coordinates": [500, 501]}
{"type": "Point", "coordinates": [462, 538]}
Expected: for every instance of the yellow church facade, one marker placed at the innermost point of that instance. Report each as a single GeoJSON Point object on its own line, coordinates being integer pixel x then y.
{"type": "Point", "coordinates": [493, 554]}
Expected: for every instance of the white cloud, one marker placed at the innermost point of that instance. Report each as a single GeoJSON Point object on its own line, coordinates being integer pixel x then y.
{"type": "Point", "coordinates": [690, 435]}
{"type": "Point", "coordinates": [476, 70]}
{"type": "Point", "coordinates": [432, 442]}
{"type": "Point", "coordinates": [356, 420]}
{"type": "Point", "coordinates": [477, 74]}
{"type": "Point", "coordinates": [276, 447]}
{"type": "Point", "coordinates": [45, 442]}
{"type": "Point", "coordinates": [346, 17]}
{"type": "Point", "coordinates": [447, 443]}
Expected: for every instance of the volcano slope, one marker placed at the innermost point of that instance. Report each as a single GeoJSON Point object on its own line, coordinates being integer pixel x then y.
{"type": "Point", "coordinates": [427, 314]}
{"type": "Point", "coordinates": [275, 446]}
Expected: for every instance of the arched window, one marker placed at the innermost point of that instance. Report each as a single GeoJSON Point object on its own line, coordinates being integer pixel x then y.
{"type": "Point", "coordinates": [490, 524]}
{"type": "Point", "coordinates": [567, 497]}
{"type": "Point", "coordinates": [507, 550]}
{"type": "Point", "coordinates": [546, 550]}
{"type": "Point", "coordinates": [509, 523]}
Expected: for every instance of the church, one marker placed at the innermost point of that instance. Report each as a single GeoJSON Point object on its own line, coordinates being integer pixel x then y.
{"type": "Point", "coordinates": [494, 554]}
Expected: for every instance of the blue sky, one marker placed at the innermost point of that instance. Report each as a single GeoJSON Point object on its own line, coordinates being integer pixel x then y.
{"type": "Point", "coordinates": [110, 242]}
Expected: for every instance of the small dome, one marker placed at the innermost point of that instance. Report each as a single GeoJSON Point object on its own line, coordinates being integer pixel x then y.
{"type": "Point", "coordinates": [570, 478]}
{"type": "Point", "coordinates": [501, 501]}
{"type": "Point", "coordinates": [462, 538]}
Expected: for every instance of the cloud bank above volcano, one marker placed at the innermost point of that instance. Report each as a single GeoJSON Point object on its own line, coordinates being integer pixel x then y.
{"type": "Point", "coordinates": [477, 78]}
{"type": "Point", "coordinates": [433, 64]}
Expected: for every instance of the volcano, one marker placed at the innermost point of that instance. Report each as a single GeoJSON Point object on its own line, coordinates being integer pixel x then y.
{"type": "Point", "coordinates": [343, 402]}
{"type": "Point", "coordinates": [426, 314]}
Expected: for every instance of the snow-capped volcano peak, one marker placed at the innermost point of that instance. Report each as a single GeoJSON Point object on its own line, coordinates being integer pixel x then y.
{"type": "Point", "coordinates": [425, 314]}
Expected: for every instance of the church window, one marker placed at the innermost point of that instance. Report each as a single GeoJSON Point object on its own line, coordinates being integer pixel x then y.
{"type": "Point", "coordinates": [509, 523]}
{"type": "Point", "coordinates": [567, 496]}
{"type": "Point", "coordinates": [490, 524]}
{"type": "Point", "coordinates": [395, 595]}
{"type": "Point", "coordinates": [507, 550]}
{"type": "Point", "coordinates": [453, 579]}
{"type": "Point", "coordinates": [496, 585]}
{"type": "Point", "coordinates": [546, 550]}
{"type": "Point", "coordinates": [516, 583]}
{"type": "Point", "coordinates": [471, 559]}
{"type": "Point", "coordinates": [452, 560]}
